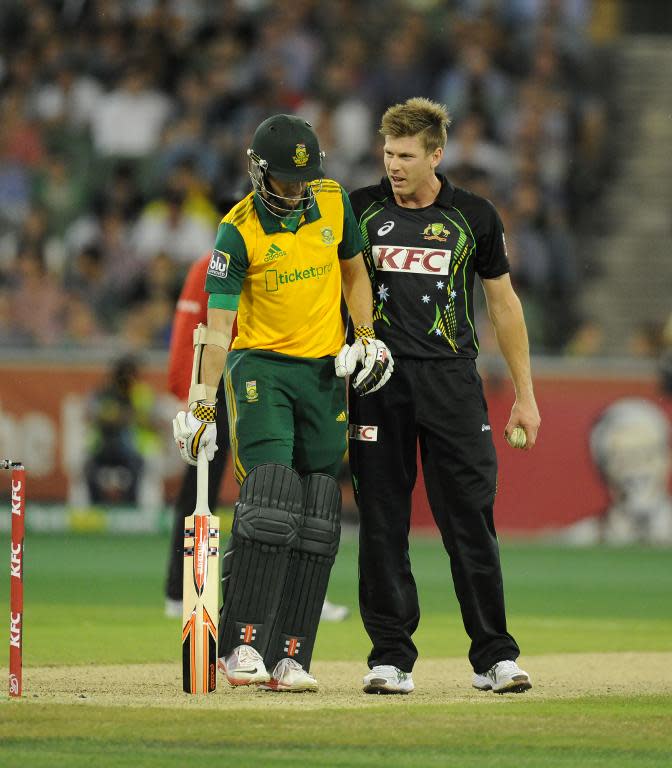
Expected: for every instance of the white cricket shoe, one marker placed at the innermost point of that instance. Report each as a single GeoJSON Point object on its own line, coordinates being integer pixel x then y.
{"type": "Point", "coordinates": [244, 666]}
{"type": "Point", "coordinates": [173, 609]}
{"type": "Point", "coordinates": [333, 612]}
{"type": "Point", "coordinates": [385, 678]}
{"type": "Point", "coordinates": [289, 675]}
{"type": "Point", "coordinates": [503, 677]}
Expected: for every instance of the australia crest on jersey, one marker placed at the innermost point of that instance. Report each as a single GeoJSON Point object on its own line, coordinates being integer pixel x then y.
{"type": "Point", "coordinates": [436, 232]}
{"type": "Point", "coordinates": [219, 263]}
{"type": "Point", "coordinates": [301, 156]}
{"type": "Point", "coordinates": [327, 235]}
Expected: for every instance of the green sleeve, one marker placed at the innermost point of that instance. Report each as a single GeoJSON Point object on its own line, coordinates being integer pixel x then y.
{"type": "Point", "coordinates": [229, 262]}
{"type": "Point", "coordinates": [223, 301]}
{"type": "Point", "coordinates": [352, 243]}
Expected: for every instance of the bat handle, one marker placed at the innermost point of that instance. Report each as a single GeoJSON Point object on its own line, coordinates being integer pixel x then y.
{"type": "Point", "coordinates": [202, 484]}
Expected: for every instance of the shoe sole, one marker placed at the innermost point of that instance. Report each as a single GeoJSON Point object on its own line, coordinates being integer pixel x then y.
{"type": "Point", "coordinates": [379, 686]}
{"type": "Point", "coordinates": [279, 688]}
{"type": "Point", "coordinates": [514, 686]}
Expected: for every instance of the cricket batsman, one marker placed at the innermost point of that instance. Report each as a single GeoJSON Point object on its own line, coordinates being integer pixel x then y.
{"type": "Point", "coordinates": [284, 257]}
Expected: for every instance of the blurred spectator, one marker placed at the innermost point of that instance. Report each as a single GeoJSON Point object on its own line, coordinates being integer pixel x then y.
{"type": "Point", "coordinates": [587, 340]}
{"type": "Point", "coordinates": [468, 151]}
{"type": "Point", "coordinates": [22, 140]}
{"type": "Point", "coordinates": [80, 327]}
{"type": "Point", "coordinates": [646, 340]}
{"type": "Point", "coordinates": [286, 40]}
{"type": "Point", "coordinates": [399, 74]}
{"type": "Point", "coordinates": [36, 301]}
{"type": "Point", "coordinates": [88, 284]}
{"type": "Point", "coordinates": [475, 84]}
{"type": "Point", "coordinates": [8, 331]}
{"type": "Point", "coordinates": [59, 192]}
{"type": "Point", "coordinates": [166, 225]}
{"type": "Point", "coordinates": [129, 120]}
{"type": "Point", "coordinates": [123, 431]}
{"type": "Point", "coordinates": [665, 360]}
{"type": "Point", "coordinates": [67, 98]}
{"type": "Point", "coordinates": [121, 193]}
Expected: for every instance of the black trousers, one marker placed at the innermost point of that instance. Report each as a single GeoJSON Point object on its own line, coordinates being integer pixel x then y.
{"type": "Point", "coordinates": [441, 405]}
{"type": "Point", "coordinates": [186, 499]}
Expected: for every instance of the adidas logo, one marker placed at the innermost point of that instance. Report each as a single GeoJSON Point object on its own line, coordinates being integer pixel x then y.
{"type": "Point", "coordinates": [341, 416]}
{"type": "Point", "coordinates": [273, 253]}
{"type": "Point", "coordinates": [485, 427]}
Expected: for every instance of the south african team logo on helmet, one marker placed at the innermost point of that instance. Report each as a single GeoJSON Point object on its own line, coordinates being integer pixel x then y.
{"type": "Point", "coordinates": [301, 156]}
{"type": "Point", "coordinates": [435, 232]}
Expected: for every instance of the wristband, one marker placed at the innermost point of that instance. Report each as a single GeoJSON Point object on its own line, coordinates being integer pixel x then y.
{"type": "Point", "coordinates": [205, 411]}
{"type": "Point", "coordinates": [364, 332]}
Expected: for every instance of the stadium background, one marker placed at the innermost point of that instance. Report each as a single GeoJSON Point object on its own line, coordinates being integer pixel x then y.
{"type": "Point", "coordinates": [123, 127]}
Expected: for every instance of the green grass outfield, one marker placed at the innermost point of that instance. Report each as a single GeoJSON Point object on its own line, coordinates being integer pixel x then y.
{"type": "Point", "coordinates": [98, 600]}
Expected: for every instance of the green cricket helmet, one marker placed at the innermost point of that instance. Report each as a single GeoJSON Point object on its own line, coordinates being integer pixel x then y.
{"type": "Point", "coordinates": [286, 147]}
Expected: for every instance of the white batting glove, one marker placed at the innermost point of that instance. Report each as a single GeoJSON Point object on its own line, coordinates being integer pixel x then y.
{"type": "Point", "coordinates": [194, 430]}
{"type": "Point", "coordinates": [374, 356]}
{"type": "Point", "coordinates": [347, 359]}
{"type": "Point", "coordinates": [378, 367]}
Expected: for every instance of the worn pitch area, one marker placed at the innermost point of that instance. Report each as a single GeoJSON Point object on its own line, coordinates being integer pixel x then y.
{"type": "Point", "coordinates": [438, 681]}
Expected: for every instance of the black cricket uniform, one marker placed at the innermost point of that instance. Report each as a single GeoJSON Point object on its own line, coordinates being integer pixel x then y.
{"type": "Point", "coordinates": [422, 263]}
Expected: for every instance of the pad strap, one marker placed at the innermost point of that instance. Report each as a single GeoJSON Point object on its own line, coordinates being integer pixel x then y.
{"type": "Point", "coordinates": [198, 392]}
{"type": "Point", "coordinates": [204, 335]}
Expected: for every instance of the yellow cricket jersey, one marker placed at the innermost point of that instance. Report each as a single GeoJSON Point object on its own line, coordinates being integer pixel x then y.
{"type": "Point", "coordinates": [283, 275]}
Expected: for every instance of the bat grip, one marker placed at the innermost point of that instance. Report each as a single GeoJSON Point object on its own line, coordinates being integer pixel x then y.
{"type": "Point", "coordinates": [202, 484]}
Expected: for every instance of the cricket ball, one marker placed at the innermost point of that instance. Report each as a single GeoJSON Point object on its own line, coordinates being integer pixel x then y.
{"type": "Point", "coordinates": [517, 438]}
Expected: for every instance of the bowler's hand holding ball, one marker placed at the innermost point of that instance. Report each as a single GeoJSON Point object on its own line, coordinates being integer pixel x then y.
{"type": "Point", "coordinates": [517, 438]}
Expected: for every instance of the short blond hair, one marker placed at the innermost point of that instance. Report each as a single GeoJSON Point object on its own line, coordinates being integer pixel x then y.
{"type": "Point", "coordinates": [418, 117]}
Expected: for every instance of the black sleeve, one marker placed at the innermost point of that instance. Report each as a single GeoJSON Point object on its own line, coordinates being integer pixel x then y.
{"type": "Point", "coordinates": [352, 243]}
{"type": "Point", "coordinates": [491, 257]}
{"type": "Point", "coordinates": [357, 201]}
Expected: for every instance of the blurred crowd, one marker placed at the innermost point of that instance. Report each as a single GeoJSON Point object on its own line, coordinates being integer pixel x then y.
{"type": "Point", "coordinates": [124, 124]}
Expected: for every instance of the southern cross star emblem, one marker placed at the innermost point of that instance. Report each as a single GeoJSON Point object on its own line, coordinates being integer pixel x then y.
{"type": "Point", "coordinates": [383, 292]}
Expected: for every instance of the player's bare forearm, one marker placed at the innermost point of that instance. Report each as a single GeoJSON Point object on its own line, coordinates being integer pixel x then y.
{"type": "Point", "coordinates": [506, 315]}
{"type": "Point", "coordinates": [511, 336]}
{"type": "Point", "coordinates": [357, 290]}
{"type": "Point", "coordinates": [214, 357]}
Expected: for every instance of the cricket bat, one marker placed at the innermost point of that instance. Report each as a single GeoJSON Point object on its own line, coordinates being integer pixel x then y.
{"type": "Point", "coordinates": [200, 591]}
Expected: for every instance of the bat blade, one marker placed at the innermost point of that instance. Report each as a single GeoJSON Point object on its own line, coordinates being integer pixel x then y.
{"type": "Point", "coordinates": [200, 594]}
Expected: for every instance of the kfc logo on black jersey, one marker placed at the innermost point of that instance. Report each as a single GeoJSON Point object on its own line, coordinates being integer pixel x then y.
{"type": "Point", "coordinates": [367, 433]}
{"type": "Point", "coordinates": [424, 261]}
